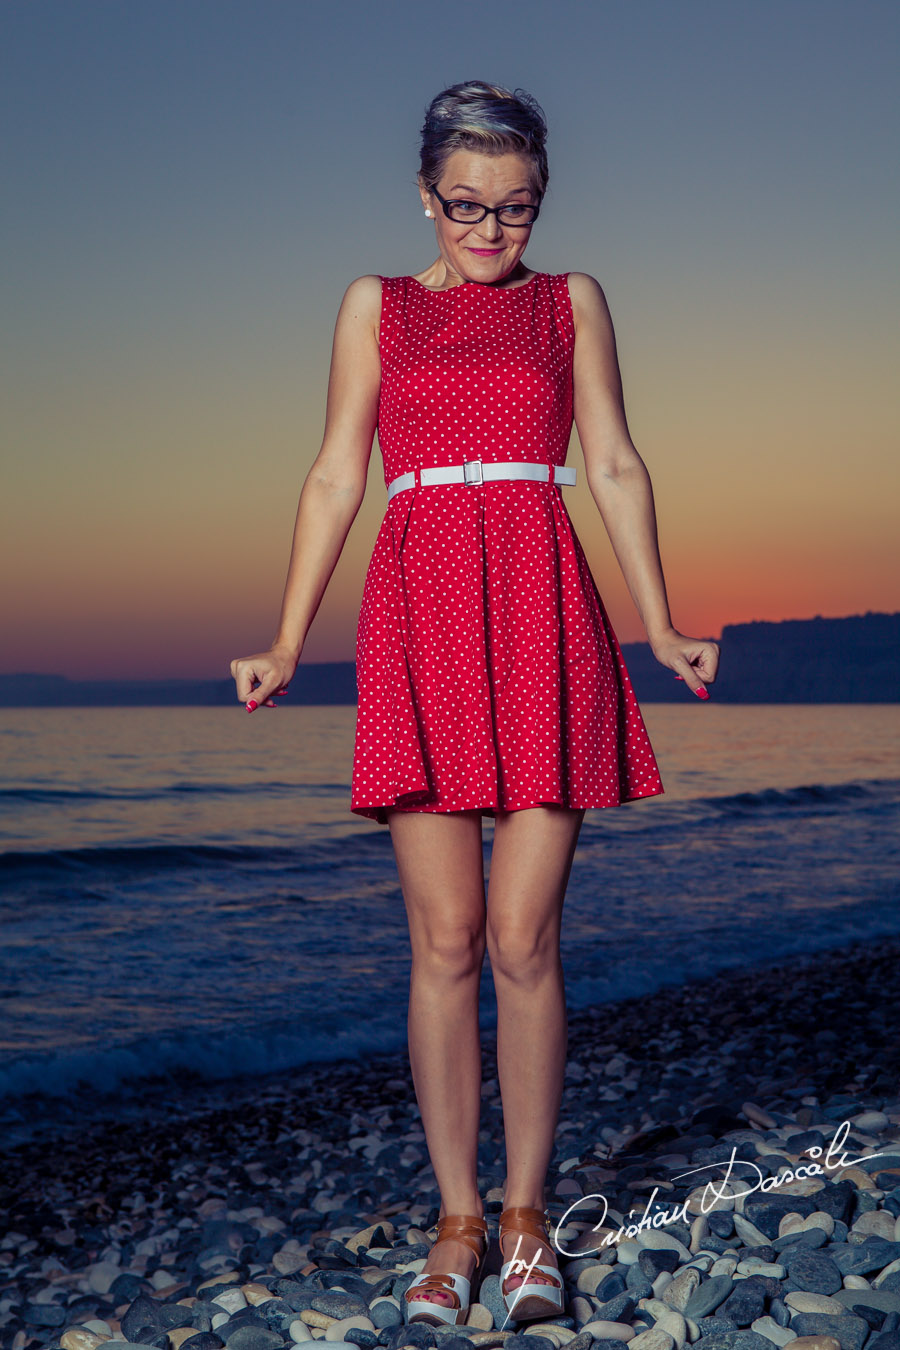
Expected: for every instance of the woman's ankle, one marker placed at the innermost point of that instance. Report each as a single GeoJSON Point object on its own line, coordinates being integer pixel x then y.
{"type": "Point", "coordinates": [472, 1208]}
{"type": "Point", "coordinates": [518, 1201]}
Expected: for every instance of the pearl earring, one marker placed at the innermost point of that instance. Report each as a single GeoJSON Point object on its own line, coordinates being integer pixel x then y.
{"type": "Point", "coordinates": [427, 212]}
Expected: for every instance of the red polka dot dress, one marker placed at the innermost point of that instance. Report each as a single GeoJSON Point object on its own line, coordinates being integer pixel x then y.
{"type": "Point", "coordinates": [488, 673]}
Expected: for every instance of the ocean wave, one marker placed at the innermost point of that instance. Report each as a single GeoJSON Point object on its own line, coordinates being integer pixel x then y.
{"type": "Point", "coordinates": [774, 806]}
{"type": "Point", "coordinates": [859, 795]}
{"type": "Point", "coordinates": [201, 1056]}
{"type": "Point", "coordinates": [55, 796]}
{"type": "Point", "coordinates": [70, 1083]}
{"type": "Point", "coordinates": [139, 857]}
{"type": "Point", "coordinates": [860, 791]}
{"type": "Point", "coordinates": [39, 1092]}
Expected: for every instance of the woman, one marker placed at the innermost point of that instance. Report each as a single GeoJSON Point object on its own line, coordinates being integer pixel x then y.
{"type": "Point", "coordinates": [490, 679]}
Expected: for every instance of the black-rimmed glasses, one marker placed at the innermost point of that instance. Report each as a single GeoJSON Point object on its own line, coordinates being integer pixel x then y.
{"type": "Point", "coordinates": [464, 212]}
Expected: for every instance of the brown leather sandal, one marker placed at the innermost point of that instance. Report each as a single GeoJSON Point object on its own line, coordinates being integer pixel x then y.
{"type": "Point", "coordinates": [531, 1298]}
{"type": "Point", "coordinates": [473, 1231]}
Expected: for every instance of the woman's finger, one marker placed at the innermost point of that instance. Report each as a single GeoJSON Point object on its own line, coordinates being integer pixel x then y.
{"type": "Point", "coordinates": [262, 698]}
{"type": "Point", "coordinates": [690, 676]}
{"type": "Point", "coordinates": [246, 681]}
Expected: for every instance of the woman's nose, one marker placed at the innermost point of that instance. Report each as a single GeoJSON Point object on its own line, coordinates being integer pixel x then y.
{"type": "Point", "coordinates": [490, 228]}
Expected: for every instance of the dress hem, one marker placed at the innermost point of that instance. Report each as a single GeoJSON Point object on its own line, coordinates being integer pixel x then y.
{"type": "Point", "coordinates": [377, 813]}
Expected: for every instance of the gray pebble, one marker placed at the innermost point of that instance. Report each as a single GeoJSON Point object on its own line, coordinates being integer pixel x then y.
{"type": "Point", "coordinates": [383, 1313]}
{"type": "Point", "coordinates": [401, 1256]}
{"type": "Point", "coordinates": [813, 1271]}
{"type": "Point", "coordinates": [610, 1286]}
{"type": "Point", "coordinates": [143, 1316]}
{"type": "Point", "coordinates": [712, 1326]}
{"type": "Point", "coordinates": [869, 1256]}
{"type": "Point", "coordinates": [489, 1295]}
{"type": "Point", "coordinates": [780, 1312]}
{"type": "Point", "coordinates": [850, 1331]}
{"type": "Point", "coordinates": [809, 1237]}
{"type": "Point", "coordinates": [584, 1340]}
{"type": "Point", "coordinates": [44, 1315]}
{"type": "Point", "coordinates": [340, 1305]}
{"type": "Point", "coordinates": [734, 1340]}
{"type": "Point", "coordinates": [618, 1309]}
{"type": "Point", "coordinates": [745, 1303]}
{"type": "Point", "coordinates": [885, 1300]}
{"type": "Point", "coordinates": [889, 1340]}
{"type": "Point", "coordinates": [361, 1336]}
{"type": "Point", "coordinates": [416, 1333]}
{"type": "Point", "coordinates": [707, 1296]}
{"type": "Point", "coordinates": [250, 1336]}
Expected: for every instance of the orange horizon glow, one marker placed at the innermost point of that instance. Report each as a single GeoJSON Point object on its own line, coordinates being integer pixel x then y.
{"type": "Point", "coordinates": [174, 295]}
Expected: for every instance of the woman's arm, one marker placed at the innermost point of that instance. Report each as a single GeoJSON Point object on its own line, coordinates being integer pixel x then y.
{"type": "Point", "coordinates": [332, 491]}
{"type": "Point", "coordinates": [621, 487]}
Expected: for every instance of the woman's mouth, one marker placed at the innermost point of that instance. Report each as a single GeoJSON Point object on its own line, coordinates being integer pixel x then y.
{"type": "Point", "coordinates": [485, 252]}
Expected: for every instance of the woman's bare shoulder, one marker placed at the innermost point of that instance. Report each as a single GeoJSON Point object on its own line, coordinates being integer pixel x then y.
{"type": "Point", "coordinates": [363, 295]}
{"type": "Point", "coordinates": [584, 288]}
{"type": "Point", "coordinates": [588, 298]}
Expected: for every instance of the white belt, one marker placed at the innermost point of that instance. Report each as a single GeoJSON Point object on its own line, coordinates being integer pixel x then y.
{"type": "Point", "coordinates": [472, 472]}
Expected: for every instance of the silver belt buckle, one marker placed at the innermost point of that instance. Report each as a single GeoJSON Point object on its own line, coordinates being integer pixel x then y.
{"type": "Point", "coordinates": [473, 481]}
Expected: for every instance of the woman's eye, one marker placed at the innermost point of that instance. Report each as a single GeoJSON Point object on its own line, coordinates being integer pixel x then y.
{"type": "Point", "coordinates": [514, 209]}
{"type": "Point", "coordinates": [470, 206]}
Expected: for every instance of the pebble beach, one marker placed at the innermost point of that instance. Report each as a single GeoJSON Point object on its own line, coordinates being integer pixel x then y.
{"type": "Point", "coordinates": [300, 1206]}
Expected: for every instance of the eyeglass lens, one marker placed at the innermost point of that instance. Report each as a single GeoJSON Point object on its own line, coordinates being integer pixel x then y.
{"type": "Point", "coordinates": [514, 214]}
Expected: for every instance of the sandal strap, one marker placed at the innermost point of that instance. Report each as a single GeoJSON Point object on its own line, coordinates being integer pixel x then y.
{"type": "Point", "coordinates": [526, 1219]}
{"type": "Point", "coordinates": [466, 1228]}
{"type": "Point", "coordinates": [528, 1283]}
{"type": "Point", "coordinates": [435, 1284]}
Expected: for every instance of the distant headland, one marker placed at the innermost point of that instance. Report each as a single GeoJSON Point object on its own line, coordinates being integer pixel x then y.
{"type": "Point", "coordinates": [848, 660]}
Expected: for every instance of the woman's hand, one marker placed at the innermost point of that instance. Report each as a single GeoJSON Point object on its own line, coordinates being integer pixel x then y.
{"type": "Point", "coordinates": [263, 675]}
{"type": "Point", "coordinates": [692, 659]}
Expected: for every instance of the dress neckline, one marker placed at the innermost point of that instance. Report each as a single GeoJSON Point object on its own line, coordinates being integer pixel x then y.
{"type": "Point", "coordinates": [483, 285]}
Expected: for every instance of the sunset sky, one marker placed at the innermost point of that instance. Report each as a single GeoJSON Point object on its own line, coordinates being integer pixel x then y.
{"type": "Point", "coordinates": [190, 186]}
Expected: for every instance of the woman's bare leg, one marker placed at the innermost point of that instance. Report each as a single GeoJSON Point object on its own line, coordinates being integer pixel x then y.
{"type": "Point", "coordinates": [530, 865]}
{"type": "Point", "coordinates": [441, 868]}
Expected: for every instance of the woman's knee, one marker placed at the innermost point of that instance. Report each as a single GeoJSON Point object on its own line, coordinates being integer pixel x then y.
{"type": "Point", "coordinates": [450, 951]}
{"type": "Point", "coordinates": [521, 954]}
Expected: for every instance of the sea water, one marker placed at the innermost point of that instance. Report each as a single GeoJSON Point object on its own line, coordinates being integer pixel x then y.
{"type": "Point", "coordinates": [186, 897]}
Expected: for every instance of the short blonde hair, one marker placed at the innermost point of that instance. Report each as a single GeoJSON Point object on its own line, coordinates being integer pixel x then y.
{"type": "Point", "coordinates": [487, 118]}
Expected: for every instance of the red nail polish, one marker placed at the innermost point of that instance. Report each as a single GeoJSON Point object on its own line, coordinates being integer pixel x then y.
{"type": "Point", "coordinates": [252, 705]}
{"type": "Point", "coordinates": [702, 693]}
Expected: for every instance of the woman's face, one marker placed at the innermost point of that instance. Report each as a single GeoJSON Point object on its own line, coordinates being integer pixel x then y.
{"type": "Point", "coordinates": [486, 251]}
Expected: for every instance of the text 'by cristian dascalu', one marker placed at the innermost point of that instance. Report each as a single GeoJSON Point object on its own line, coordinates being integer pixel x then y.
{"type": "Point", "coordinates": [715, 1190]}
